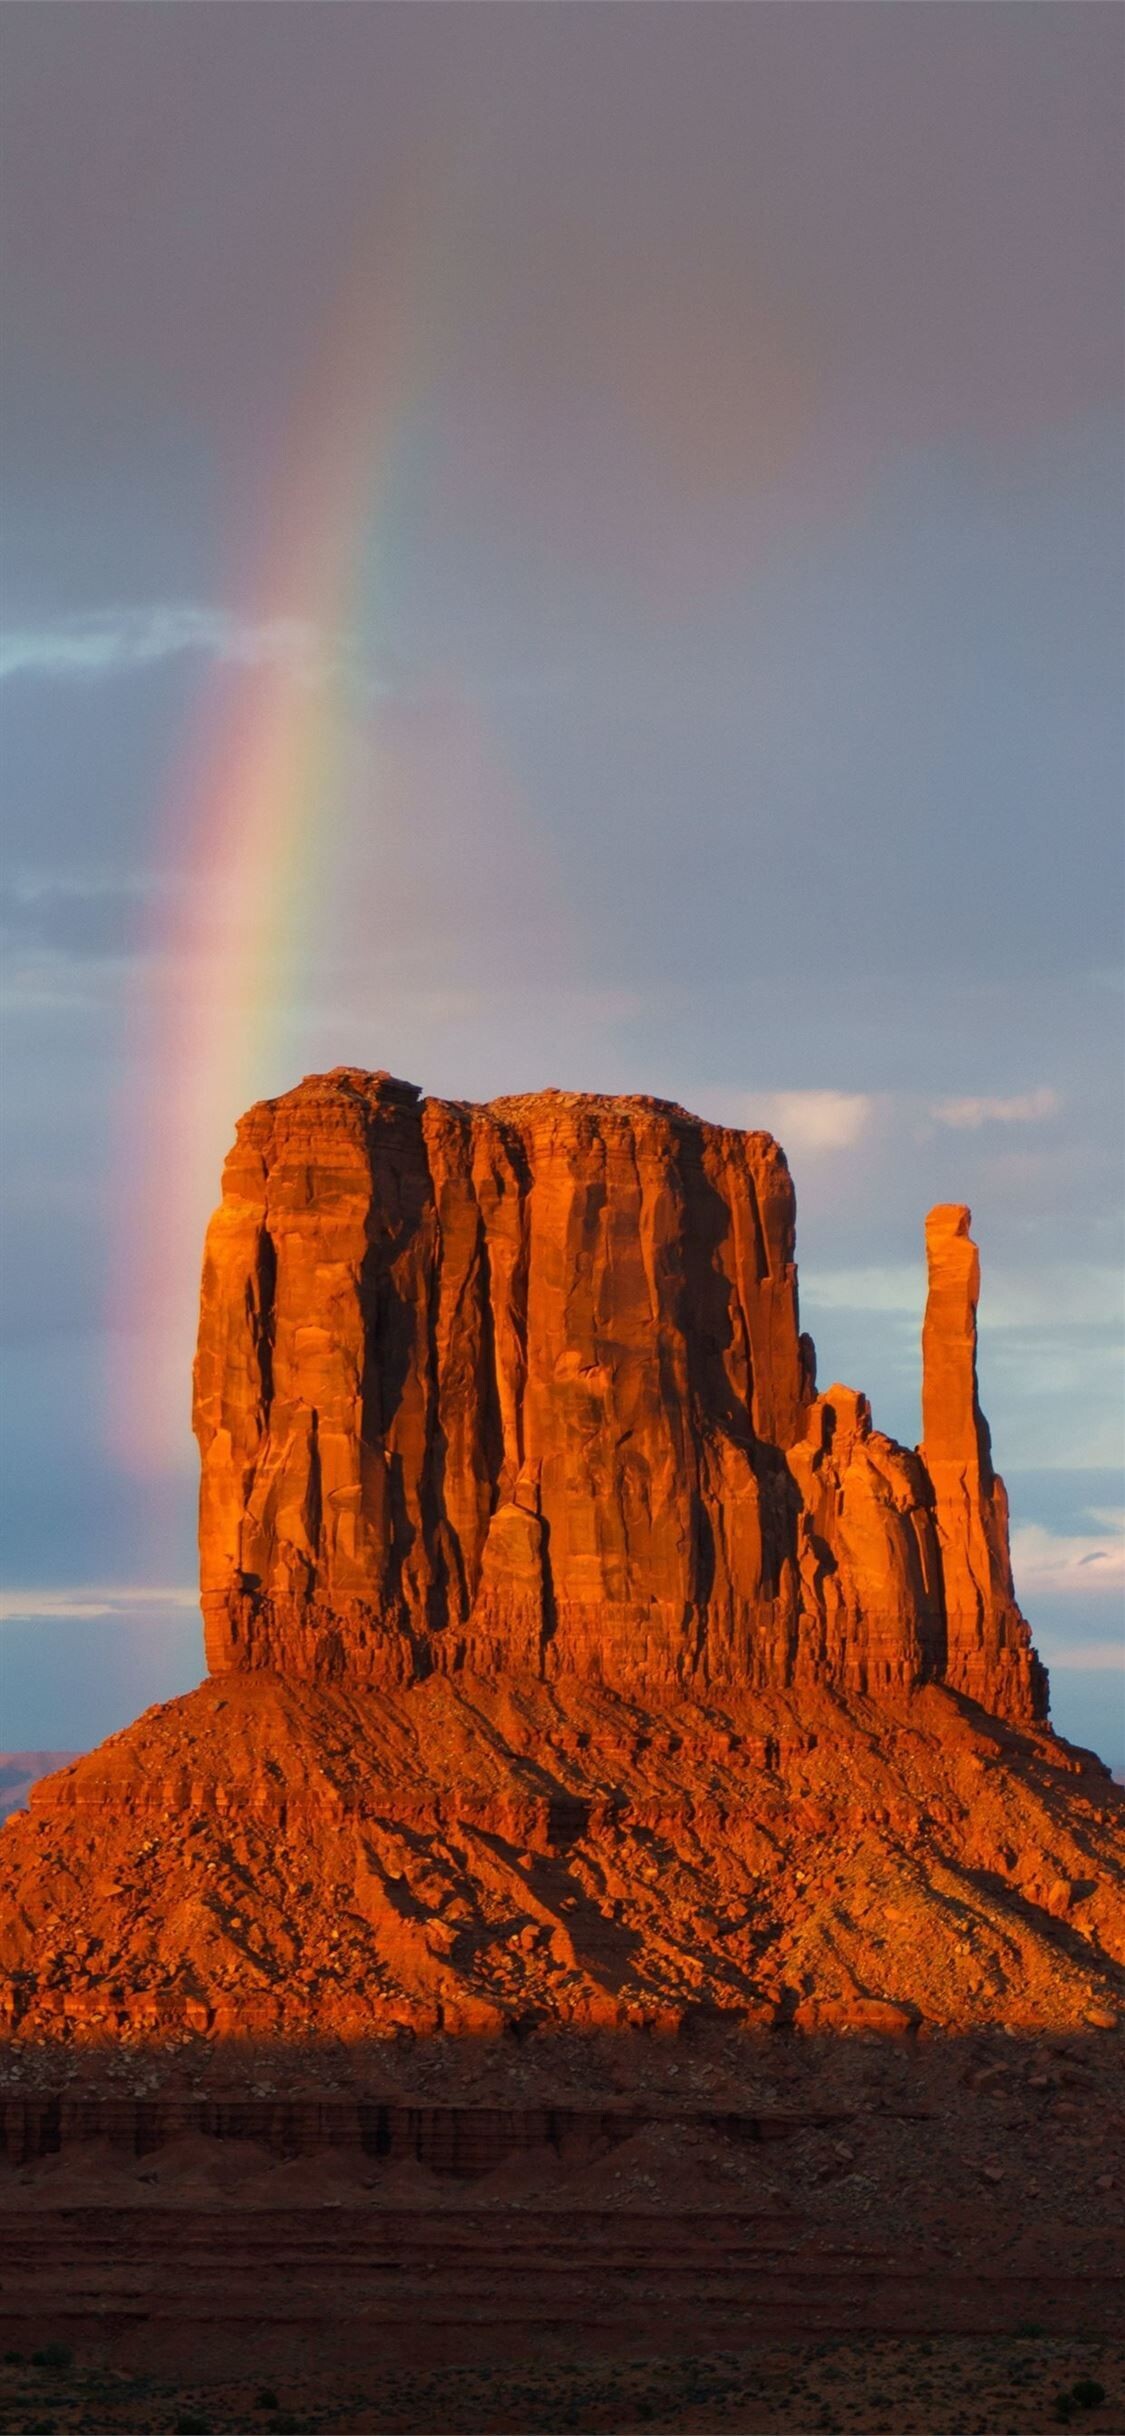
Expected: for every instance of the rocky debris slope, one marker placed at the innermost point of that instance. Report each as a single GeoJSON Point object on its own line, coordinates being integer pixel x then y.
{"type": "Point", "coordinates": [281, 1857]}
{"type": "Point", "coordinates": [522, 1388]}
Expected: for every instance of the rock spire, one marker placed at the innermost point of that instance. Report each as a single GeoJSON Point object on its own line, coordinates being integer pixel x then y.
{"type": "Point", "coordinates": [986, 1638]}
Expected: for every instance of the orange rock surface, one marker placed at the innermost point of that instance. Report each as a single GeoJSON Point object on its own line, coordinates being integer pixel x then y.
{"type": "Point", "coordinates": [985, 1636]}
{"type": "Point", "coordinates": [573, 1661]}
{"type": "Point", "coordinates": [277, 1857]}
{"type": "Point", "coordinates": [523, 1386]}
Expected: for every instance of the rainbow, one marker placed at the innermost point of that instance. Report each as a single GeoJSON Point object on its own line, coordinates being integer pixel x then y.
{"type": "Point", "coordinates": [250, 819]}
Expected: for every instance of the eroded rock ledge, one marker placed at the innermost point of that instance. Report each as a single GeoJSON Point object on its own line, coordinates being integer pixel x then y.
{"type": "Point", "coordinates": [521, 1388]}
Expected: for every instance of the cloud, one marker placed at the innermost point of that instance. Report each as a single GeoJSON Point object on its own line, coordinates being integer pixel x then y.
{"type": "Point", "coordinates": [56, 1606]}
{"type": "Point", "coordinates": [897, 1287]}
{"type": "Point", "coordinates": [808, 1121]}
{"type": "Point", "coordinates": [1082, 1657]}
{"type": "Point", "coordinates": [1056, 1295]}
{"type": "Point", "coordinates": [1024, 1108]}
{"type": "Point", "coordinates": [69, 916]}
{"type": "Point", "coordinates": [31, 887]}
{"type": "Point", "coordinates": [1067, 1565]}
{"type": "Point", "coordinates": [114, 642]}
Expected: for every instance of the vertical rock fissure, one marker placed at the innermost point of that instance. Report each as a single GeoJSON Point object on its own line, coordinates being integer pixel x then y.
{"type": "Point", "coordinates": [520, 1289]}
{"type": "Point", "coordinates": [491, 1416]}
{"type": "Point", "coordinates": [314, 1496]}
{"type": "Point", "coordinates": [435, 1528]}
{"type": "Point", "coordinates": [264, 1318]}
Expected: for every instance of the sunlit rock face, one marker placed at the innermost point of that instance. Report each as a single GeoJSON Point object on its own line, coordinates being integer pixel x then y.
{"type": "Point", "coordinates": [986, 1639]}
{"type": "Point", "coordinates": [575, 1665]}
{"type": "Point", "coordinates": [521, 1388]}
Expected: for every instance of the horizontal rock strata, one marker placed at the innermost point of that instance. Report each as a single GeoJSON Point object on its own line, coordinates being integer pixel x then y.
{"type": "Point", "coordinates": [331, 2211]}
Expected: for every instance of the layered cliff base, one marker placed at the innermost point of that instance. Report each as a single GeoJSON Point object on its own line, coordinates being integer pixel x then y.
{"type": "Point", "coordinates": [270, 1856]}
{"type": "Point", "coordinates": [537, 2233]}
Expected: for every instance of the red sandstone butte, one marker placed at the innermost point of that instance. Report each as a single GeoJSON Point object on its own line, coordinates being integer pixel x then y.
{"type": "Point", "coordinates": [523, 1387]}
{"type": "Point", "coordinates": [574, 1664]}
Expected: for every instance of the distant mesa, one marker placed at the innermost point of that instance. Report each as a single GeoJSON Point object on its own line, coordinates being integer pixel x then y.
{"type": "Point", "coordinates": [523, 1386]}
{"type": "Point", "coordinates": [20, 1770]}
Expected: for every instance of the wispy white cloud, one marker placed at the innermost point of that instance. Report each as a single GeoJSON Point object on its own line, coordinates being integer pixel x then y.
{"type": "Point", "coordinates": [1055, 1295]}
{"type": "Point", "coordinates": [1023, 1108]}
{"type": "Point", "coordinates": [32, 886]}
{"type": "Point", "coordinates": [88, 1602]}
{"type": "Point", "coordinates": [819, 1120]}
{"type": "Point", "coordinates": [899, 1287]}
{"type": "Point", "coordinates": [1068, 1565]}
{"type": "Point", "coordinates": [803, 1121]}
{"type": "Point", "coordinates": [114, 642]}
{"type": "Point", "coordinates": [49, 983]}
{"type": "Point", "coordinates": [1081, 1657]}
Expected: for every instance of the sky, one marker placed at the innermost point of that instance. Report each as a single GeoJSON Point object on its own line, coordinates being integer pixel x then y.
{"type": "Point", "coordinates": [571, 545]}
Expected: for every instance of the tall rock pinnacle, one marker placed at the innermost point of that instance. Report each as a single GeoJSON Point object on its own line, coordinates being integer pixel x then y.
{"type": "Point", "coordinates": [521, 1388]}
{"type": "Point", "coordinates": [986, 1654]}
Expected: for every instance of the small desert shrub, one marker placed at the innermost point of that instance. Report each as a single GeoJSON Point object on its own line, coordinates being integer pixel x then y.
{"type": "Point", "coordinates": [189, 2423]}
{"type": "Point", "coordinates": [1064, 2405]}
{"type": "Point", "coordinates": [267, 2400]}
{"type": "Point", "coordinates": [53, 2355]}
{"type": "Point", "coordinates": [1088, 2393]}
